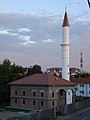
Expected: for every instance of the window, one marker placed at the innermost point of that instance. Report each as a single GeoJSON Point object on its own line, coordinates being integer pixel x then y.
{"type": "Point", "coordinates": [52, 94]}
{"type": "Point", "coordinates": [15, 100]}
{"type": "Point", "coordinates": [76, 89]}
{"type": "Point", "coordinates": [52, 103]}
{"type": "Point", "coordinates": [33, 102]}
{"type": "Point", "coordinates": [89, 85]}
{"type": "Point", "coordinates": [34, 94]}
{"type": "Point", "coordinates": [81, 92]}
{"type": "Point", "coordinates": [68, 93]}
{"type": "Point", "coordinates": [89, 92]}
{"type": "Point", "coordinates": [23, 93]}
{"type": "Point", "coordinates": [23, 101]}
{"type": "Point", "coordinates": [42, 103]}
{"type": "Point", "coordinates": [15, 92]}
{"type": "Point", "coordinates": [61, 93]}
{"type": "Point", "coordinates": [81, 85]}
{"type": "Point", "coordinates": [41, 94]}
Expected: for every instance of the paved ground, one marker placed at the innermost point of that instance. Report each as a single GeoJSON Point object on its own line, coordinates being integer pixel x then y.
{"type": "Point", "coordinates": [83, 114]}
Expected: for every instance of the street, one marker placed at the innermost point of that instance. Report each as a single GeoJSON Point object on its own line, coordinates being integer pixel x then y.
{"type": "Point", "coordinates": [83, 114]}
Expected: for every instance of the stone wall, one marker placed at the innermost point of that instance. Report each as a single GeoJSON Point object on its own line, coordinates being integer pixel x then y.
{"type": "Point", "coordinates": [66, 109]}
{"type": "Point", "coordinates": [43, 115]}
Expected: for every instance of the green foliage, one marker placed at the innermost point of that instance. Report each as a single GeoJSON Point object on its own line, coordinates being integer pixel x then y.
{"type": "Point", "coordinates": [34, 69]}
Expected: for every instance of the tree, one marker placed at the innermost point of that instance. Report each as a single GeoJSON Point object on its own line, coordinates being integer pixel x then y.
{"type": "Point", "coordinates": [10, 72]}
{"type": "Point", "coordinates": [34, 69]}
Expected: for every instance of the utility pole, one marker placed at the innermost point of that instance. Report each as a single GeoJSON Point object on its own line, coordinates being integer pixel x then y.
{"type": "Point", "coordinates": [81, 63]}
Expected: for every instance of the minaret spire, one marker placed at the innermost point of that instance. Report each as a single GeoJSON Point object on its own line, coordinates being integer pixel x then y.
{"type": "Point", "coordinates": [65, 21]}
{"type": "Point", "coordinates": [65, 9]}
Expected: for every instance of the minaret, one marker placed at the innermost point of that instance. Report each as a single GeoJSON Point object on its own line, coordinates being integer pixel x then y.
{"type": "Point", "coordinates": [65, 48]}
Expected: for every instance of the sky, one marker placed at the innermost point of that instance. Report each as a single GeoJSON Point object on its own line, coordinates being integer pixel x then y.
{"type": "Point", "coordinates": [31, 32]}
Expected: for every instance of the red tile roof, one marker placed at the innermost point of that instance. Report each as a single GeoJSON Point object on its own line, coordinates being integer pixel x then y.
{"type": "Point", "coordinates": [81, 80]}
{"type": "Point", "coordinates": [42, 79]}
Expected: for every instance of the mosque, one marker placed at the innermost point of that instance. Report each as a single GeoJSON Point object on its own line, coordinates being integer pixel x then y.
{"type": "Point", "coordinates": [44, 91]}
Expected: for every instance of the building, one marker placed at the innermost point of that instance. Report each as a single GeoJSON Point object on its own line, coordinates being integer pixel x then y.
{"type": "Point", "coordinates": [41, 91]}
{"type": "Point", "coordinates": [54, 70]}
{"type": "Point", "coordinates": [58, 71]}
{"type": "Point", "coordinates": [74, 71]}
{"type": "Point", "coordinates": [82, 86]}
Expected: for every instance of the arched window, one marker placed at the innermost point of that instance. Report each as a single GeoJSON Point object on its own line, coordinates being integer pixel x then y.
{"type": "Point", "coordinates": [42, 103]}
{"type": "Point", "coordinates": [15, 100]}
{"type": "Point", "coordinates": [33, 102]}
{"type": "Point", "coordinates": [34, 94]}
{"type": "Point", "coordinates": [23, 101]}
{"type": "Point", "coordinates": [52, 94]}
{"type": "Point", "coordinates": [23, 93]}
{"type": "Point", "coordinates": [42, 94]}
{"type": "Point", "coordinates": [52, 103]}
{"type": "Point", "coordinates": [15, 92]}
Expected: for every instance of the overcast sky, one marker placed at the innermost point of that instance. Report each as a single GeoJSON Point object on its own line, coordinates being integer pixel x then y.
{"type": "Point", "coordinates": [31, 32]}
